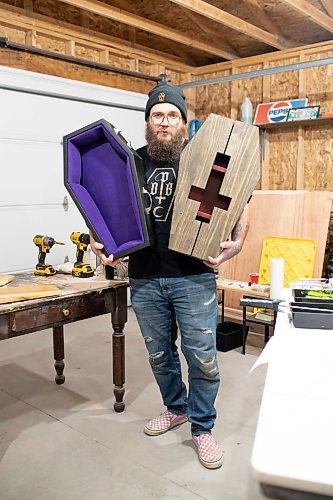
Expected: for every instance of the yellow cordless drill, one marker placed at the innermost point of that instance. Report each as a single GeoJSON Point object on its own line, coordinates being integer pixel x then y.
{"type": "Point", "coordinates": [80, 269]}
{"type": "Point", "coordinates": [44, 243]}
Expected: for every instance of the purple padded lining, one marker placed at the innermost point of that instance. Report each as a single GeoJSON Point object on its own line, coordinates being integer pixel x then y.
{"type": "Point", "coordinates": [100, 175]}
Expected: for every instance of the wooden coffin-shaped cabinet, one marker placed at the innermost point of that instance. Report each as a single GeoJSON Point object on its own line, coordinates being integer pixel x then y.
{"type": "Point", "coordinates": [105, 178]}
{"type": "Point", "coordinates": [219, 169]}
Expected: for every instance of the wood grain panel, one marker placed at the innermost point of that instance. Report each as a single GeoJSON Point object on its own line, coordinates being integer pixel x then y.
{"type": "Point", "coordinates": [285, 214]}
{"type": "Point", "coordinates": [26, 292]}
{"type": "Point", "coordinates": [217, 135]}
{"type": "Point", "coordinates": [5, 279]}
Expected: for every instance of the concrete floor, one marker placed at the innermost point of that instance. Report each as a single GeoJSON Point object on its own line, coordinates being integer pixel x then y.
{"type": "Point", "coordinates": [66, 442]}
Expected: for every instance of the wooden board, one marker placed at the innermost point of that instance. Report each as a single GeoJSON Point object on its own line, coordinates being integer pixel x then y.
{"type": "Point", "coordinates": [225, 148]}
{"type": "Point", "coordinates": [27, 292]}
{"type": "Point", "coordinates": [283, 214]}
{"type": "Point", "coordinates": [6, 278]}
{"type": "Point", "coordinates": [242, 287]}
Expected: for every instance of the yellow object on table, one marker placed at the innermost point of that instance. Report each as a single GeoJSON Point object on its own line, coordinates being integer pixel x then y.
{"type": "Point", "coordinates": [298, 254]}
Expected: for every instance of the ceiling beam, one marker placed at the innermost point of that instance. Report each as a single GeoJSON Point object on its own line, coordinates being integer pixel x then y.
{"type": "Point", "coordinates": [204, 25]}
{"type": "Point", "coordinates": [315, 15]}
{"type": "Point", "coordinates": [175, 48]}
{"type": "Point", "coordinates": [220, 16]}
{"type": "Point", "coordinates": [15, 18]}
{"type": "Point", "coordinates": [122, 16]}
{"type": "Point", "coordinates": [257, 9]}
{"type": "Point", "coordinates": [328, 4]}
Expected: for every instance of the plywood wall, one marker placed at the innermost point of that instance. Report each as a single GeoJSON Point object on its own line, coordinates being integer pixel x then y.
{"type": "Point", "coordinates": [63, 38]}
{"type": "Point", "coordinates": [282, 214]}
{"type": "Point", "coordinates": [293, 158]}
{"type": "Point", "coordinates": [297, 158]}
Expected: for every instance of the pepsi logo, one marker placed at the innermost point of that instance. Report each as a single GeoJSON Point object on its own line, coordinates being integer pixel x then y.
{"type": "Point", "coordinates": [278, 111]}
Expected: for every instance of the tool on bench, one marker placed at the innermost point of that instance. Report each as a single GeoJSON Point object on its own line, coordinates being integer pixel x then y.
{"type": "Point", "coordinates": [81, 269]}
{"type": "Point", "coordinates": [44, 243]}
{"type": "Point", "coordinates": [254, 301]}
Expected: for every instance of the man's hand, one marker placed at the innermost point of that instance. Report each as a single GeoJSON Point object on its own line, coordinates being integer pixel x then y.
{"type": "Point", "coordinates": [229, 250]}
{"type": "Point", "coordinates": [233, 247]}
{"type": "Point", "coordinates": [97, 249]}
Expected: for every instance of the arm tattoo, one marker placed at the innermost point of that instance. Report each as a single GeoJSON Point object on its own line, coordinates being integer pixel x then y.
{"type": "Point", "coordinates": [238, 229]}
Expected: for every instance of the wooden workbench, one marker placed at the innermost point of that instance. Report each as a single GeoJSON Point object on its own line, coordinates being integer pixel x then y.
{"type": "Point", "coordinates": [240, 288]}
{"type": "Point", "coordinates": [79, 299]}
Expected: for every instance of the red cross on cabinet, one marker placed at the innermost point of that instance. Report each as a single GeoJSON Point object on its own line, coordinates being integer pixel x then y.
{"type": "Point", "coordinates": [219, 169]}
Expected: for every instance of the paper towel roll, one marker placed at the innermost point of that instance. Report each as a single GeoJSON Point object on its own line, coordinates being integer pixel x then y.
{"type": "Point", "coordinates": [276, 278]}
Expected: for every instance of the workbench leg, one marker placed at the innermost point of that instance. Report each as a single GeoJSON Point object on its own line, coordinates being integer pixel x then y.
{"type": "Point", "coordinates": [119, 318]}
{"type": "Point", "coordinates": [59, 353]}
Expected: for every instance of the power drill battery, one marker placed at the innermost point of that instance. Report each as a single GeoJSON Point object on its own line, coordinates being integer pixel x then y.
{"type": "Point", "coordinates": [81, 269]}
{"type": "Point", "coordinates": [44, 243]}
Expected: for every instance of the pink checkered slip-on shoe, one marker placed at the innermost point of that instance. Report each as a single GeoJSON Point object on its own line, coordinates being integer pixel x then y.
{"type": "Point", "coordinates": [164, 423]}
{"type": "Point", "coordinates": [209, 452]}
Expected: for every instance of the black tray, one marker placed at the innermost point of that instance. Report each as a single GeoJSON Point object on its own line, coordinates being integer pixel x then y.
{"type": "Point", "coordinates": [312, 305]}
{"type": "Point", "coordinates": [316, 315]}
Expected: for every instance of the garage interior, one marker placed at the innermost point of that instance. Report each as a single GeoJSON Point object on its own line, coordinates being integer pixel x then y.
{"type": "Point", "coordinates": [67, 441]}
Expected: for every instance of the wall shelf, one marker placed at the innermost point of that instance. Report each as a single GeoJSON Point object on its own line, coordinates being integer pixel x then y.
{"type": "Point", "coordinates": [299, 123]}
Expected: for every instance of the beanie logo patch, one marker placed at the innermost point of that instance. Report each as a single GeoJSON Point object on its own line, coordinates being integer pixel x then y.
{"type": "Point", "coordinates": [161, 96]}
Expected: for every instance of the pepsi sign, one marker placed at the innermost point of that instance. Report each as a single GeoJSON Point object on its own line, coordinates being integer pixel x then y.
{"type": "Point", "coordinates": [276, 112]}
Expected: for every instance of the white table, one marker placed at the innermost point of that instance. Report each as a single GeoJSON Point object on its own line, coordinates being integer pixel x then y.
{"type": "Point", "coordinates": [293, 447]}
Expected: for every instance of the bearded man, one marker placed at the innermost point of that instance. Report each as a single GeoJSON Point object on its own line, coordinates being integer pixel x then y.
{"type": "Point", "coordinates": [171, 291]}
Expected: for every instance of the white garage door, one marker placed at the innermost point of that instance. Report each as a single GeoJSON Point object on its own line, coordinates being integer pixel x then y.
{"type": "Point", "coordinates": [32, 126]}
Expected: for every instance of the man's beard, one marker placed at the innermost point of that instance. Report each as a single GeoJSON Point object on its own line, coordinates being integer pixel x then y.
{"type": "Point", "coordinates": [164, 151]}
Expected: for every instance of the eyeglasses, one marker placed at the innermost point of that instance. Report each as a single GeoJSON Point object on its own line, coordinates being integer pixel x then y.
{"type": "Point", "coordinates": [172, 118]}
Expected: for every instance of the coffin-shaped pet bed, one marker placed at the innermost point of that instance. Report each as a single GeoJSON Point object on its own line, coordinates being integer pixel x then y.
{"type": "Point", "coordinates": [105, 179]}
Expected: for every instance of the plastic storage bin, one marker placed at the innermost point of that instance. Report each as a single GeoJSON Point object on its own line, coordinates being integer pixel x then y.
{"type": "Point", "coordinates": [312, 314]}
{"type": "Point", "coordinates": [229, 336]}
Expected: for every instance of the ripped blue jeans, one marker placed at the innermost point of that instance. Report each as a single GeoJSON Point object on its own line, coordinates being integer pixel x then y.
{"type": "Point", "coordinates": [189, 301]}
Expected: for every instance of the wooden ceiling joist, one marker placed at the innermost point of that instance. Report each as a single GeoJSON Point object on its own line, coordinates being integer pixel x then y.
{"type": "Point", "coordinates": [14, 18]}
{"type": "Point", "coordinates": [122, 16]}
{"type": "Point", "coordinates": [328, 4]}
{"type": "Point", "coordinates": [220, 16]}
{"type": "Point", "coordinates": [257, 9]}
{"type": "Point", "coordinates": [203, 26]}
{"type": "Point", "coordinates": [312, 13]}
{"type": "Point", "coordinates": [116, 30]}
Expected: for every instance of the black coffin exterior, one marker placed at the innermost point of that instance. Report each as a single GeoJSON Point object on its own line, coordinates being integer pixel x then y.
{"type": "Point", "coordinates": [105, 179]}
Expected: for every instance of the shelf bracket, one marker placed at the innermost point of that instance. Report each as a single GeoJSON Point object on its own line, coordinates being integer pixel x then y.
{"type": "Point", "coordinates": [263, 144]}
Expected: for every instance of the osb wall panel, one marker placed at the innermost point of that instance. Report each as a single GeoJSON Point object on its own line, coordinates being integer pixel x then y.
{"type": "Point", "coordinates": [56, 67]}
{"type": "Point", "coordinates": [89, 54]}
{"type": "Point", "coordinates": [284, 85]}
{"type": "Point", "coordinates": [249, 87]}
{"type": "Point", "coordinates": [213, 98]}
{"type": "Point", "coordinates": [86, 53]}
{"type": "Point", "coordinates": [287, 155]}
{"type": "Point", "coordinates": [318, 159]}
{"type": "Point", "coordinates": [46, 43]}
{"type": "Point", "coordinates": [319, 83]}
{"type": "Point", "coordinates": [119, 62]}
{"type": "Point", "coordinates": [283, 159]}
{"type": "Point", "coordinates": [12, 34]}
{"type": "Point", "coordinates": [145, 67]}
{"type": "Point", "coordinates": [175, 77]}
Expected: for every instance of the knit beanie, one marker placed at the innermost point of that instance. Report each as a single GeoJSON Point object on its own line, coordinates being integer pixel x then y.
{"type": "Point", "coordinates": [163, 92]}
